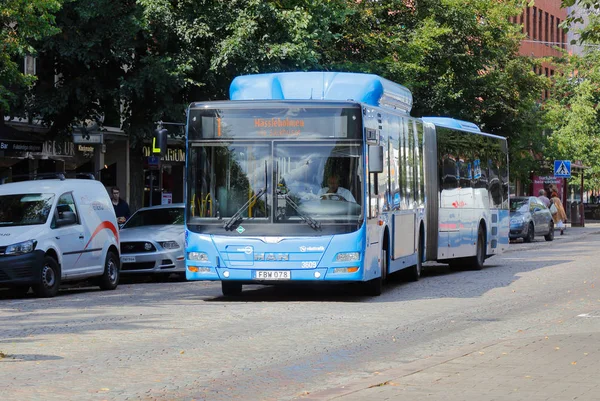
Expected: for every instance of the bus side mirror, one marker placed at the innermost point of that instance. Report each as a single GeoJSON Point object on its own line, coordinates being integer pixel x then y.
{"type": "Point", "coordinates": [159, 141]}
{"type": "Point", "coordinates": [375, 159]}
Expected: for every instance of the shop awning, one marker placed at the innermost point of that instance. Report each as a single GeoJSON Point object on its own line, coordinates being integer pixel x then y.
{"type": "Point", "coordinates": [14, 141]}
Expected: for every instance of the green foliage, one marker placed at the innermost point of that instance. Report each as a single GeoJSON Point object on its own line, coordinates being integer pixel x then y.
{"type": "Point", "coordinates": [459, 58]}
{"type": "Point", "coordinates": [573, 117]}
{"type": "Point", "coordinates": [586, 23]}
{"type": "Point", "coordinates": [21, 22]}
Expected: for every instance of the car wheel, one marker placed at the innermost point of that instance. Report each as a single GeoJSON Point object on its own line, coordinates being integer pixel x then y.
{"type": "Point", "coordinates": [49, 280]}
{"type": "Point", "coordinates": [110, 277]}
{"type": "Point", "coordinates": [530, 233]}
{"type": "Point", "coordinates": [231, 288]}
{"type": "Point", "coordinates": [550, 235]}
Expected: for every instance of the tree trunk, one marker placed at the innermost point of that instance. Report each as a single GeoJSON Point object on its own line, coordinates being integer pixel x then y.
{"type": "Point", "coordinates": [136, 176]}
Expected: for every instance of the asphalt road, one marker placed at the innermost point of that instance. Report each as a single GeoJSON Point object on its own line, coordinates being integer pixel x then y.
{"type": "Point", "coordinates": [183, 340]}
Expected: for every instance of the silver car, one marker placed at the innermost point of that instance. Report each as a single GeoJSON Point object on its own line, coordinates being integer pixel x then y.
{"type": "Point", "coordinates": [152, 241]}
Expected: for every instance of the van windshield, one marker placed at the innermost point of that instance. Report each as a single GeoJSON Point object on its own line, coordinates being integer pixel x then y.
{"type": "Point", "coordinates": [25, 209]}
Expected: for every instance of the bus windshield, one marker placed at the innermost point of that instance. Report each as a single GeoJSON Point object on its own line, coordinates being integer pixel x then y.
{"type": "Point", "coordinates": [310, 179]}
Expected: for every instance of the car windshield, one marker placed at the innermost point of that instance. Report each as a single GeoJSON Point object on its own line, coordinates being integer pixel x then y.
{"type": "Point", "coordinates": [154, 217]}
{"type": "Point", "coordinates": [519, 205]}
{"type": "Point", "coordinates": [25, 209]}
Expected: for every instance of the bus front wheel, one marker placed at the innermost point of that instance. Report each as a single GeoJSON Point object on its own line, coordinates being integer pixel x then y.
{"type": "Point", "coordinates": [230, 288]}
{"type": "Point", "coordinates": [374, 287]}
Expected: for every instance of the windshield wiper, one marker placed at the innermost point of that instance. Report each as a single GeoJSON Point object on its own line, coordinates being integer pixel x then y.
{"type": "Point", "coordinates": [237, 216]}
{"type": "Point", "coordinates": [315, 225]}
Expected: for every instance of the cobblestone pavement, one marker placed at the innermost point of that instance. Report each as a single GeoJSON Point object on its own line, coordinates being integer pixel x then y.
{"type": "Point", "coordinates": [165, 341]}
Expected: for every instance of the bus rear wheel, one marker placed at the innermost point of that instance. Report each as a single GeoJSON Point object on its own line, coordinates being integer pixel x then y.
{"type": "Point", "coordinates": [476, 262]}
{"type": "Point", "coordinates": [413, 273]}
{"type": "Point", "coordinates": [231, 288]}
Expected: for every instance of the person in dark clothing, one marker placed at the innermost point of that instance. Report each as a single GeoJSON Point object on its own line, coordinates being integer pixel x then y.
{"type": "Point", "coordinates": [121, 207]}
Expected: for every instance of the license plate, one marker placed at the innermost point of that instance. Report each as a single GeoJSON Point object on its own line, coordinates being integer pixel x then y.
{"type": "Point", "coordinates": [127, 259]}
{"type": "Point", "coordinates": [272, 275]}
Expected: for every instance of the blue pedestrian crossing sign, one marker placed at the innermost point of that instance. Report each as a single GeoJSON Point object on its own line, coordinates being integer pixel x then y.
{"type": "Point", "coordinates": [562, 168]}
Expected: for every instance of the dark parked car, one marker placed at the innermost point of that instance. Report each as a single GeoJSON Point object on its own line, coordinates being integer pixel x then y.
{"type": "Point", "coordinates": [528, 218]}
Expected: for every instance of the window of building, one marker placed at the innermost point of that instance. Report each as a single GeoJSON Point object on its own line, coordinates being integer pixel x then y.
{"type": "Point", "coordinates": [535, 23]}
{"type": "Point", "coordinates": [527, 24]}
{"type": "Point", "coordinates": [522, 28]}
{"type": "Point", "coordinates": [540, 12]}
{"type": "Point", "coordinates": [546, 27]}
{"type": "Point", "coordinates": [558, 33]}
{"type": "Point", "coordinates": [552, 30]}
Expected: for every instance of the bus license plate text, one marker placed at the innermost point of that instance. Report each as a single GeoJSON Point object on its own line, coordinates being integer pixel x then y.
{"type": "Point", "coordinates": [272, 275]}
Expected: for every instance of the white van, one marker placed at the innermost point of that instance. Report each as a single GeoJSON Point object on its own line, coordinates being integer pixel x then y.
{"type": "Point", "coordinates": [57, 230]}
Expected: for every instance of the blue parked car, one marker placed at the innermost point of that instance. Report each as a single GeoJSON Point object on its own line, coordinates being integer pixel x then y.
{"type": "Point", "coordinates": [530, 217]}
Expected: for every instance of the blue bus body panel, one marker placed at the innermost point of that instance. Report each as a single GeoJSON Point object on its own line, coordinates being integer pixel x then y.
{"type": "Point", "coordinates": [341, 86]}
{"type": "Point", "coordinates": [302, 256]}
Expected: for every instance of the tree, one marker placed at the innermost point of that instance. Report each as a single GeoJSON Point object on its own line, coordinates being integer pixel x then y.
{"type": "Point", "coordinates": [572, 116]}
{"type": "Point", "coordinates": [459, 58]}
{"type": "Point", "coordinates": [590, 31]}
{"type": "Point", "coordinates": [21, 23]}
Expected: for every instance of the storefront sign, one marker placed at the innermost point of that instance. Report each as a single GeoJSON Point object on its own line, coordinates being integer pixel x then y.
{"type": "Point", "coordinates": [545, 183]}
{"type": "Point", "coordinates": [16, 146]}
{"type": "Point", "coordinates": [83, 148]}
{"type": "Point", "coordinates": [88, 138]}
{"type": "Point", "coordinates": [54, 148]}
{"type": "Point", "coordinates": [176, 155]}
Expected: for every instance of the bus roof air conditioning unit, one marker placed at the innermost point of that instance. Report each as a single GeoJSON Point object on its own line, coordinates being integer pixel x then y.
{"type": "Point", "coordinates": [336, 86]}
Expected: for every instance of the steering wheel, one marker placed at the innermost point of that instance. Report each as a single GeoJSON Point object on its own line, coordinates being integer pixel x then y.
{"type": "Point", "coordinates": [334, 197]}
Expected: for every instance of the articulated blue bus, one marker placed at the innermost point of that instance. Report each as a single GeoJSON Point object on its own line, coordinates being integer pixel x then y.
{"type": "Point", "coordinates": [324, 176]}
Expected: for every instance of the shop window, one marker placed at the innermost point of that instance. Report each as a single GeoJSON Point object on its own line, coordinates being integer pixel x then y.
{"type": "Point", "coordinates": [108, 175]}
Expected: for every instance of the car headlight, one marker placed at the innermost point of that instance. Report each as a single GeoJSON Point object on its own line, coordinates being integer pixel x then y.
{"type": "Point", "coordinates": [169, 244]}
{"type": "Point", "coordinates": [517, 220]}
{"type": "Point", "coordinates": [198, 256]}
{"type": "Point", "coordinates": [21, 248]}
{"type": "Point", "coordinates": [347, 257]}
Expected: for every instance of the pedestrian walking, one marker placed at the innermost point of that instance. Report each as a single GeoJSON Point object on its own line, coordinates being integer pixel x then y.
{"type": "Point", "coordinates": [558, 212]}
{"type": "Point", "coordinates": [121, 207]}
{"type": "Point", "coordinates": [543, 198]}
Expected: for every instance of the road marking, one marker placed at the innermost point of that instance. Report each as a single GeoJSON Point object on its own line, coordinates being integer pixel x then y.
{"type": "Point", "coordinates": [588, 315]}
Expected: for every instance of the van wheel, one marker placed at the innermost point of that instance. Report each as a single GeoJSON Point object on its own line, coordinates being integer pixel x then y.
{"type": "Point", "coordinates": [110, 277]}
{"type": "Point", "coordinates": [49, 280]}
{"type": "Point", "coordinates": [231, 288]}
{"type": "Point", "coordinates": [476, 262]}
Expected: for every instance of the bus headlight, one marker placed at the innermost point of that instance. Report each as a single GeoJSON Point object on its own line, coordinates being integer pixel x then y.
{"type": "Point", "coordinates": [347, 257]}
{"type": "Point", "coordinates": [198, 256]}
{"type": "Point", "coordinates": [21, 248]}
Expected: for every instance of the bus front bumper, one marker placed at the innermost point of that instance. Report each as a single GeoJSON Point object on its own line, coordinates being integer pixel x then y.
{"type": "Point", "coordinates": [261, 276]}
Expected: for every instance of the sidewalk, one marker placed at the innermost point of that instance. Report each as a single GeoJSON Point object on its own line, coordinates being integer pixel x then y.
{"type": "Point", "coordinates": [555, 368]}
{"type": "Point", "coordinates": [558, 368]}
